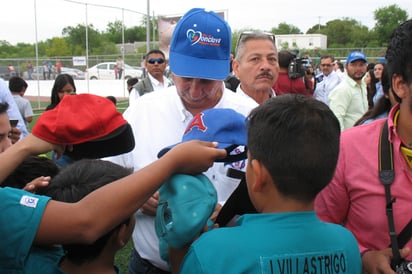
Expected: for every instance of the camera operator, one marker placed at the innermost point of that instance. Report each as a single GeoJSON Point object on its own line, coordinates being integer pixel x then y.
{"type": "Point", "coordinates": [301, 83]}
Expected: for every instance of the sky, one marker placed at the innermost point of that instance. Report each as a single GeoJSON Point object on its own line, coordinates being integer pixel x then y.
{"type": "Point", "coordinates": [30, 20]}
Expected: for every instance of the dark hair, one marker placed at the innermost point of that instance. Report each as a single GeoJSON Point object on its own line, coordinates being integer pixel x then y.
{"type": "Point", "coordinates": [327, 56]}
{"type": "Point", "coordinates": [371, 88]}
{"type": "Point", "coordinates": [284, 58]}
{"type": "Point", "coordinates": [60, 81]}
{"type": "Point", "coordinates": [75, 182]}
{"type": "Point", "coordinates": [4, 107]}
{"type": "Point", "coordinates": [16, 84]}
{"type": "Point", "coordinates": [297, 139]}
{"type": "Point", "coordinates": [399, 54]}
{"type": "Point", "coordinates": [112, 98]}
{"type": "Point", "coordinates": [132, 81]}
{"type": "Point", "coordinates": [382, 105]}
{"type": "Point", "coordinates": [155, 51]}
{"type": "Point", "coordinates": [31, 168]}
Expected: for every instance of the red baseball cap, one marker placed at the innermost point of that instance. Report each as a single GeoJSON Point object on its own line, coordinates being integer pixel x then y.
{"type": "Point", "coordinates": [90, 123]}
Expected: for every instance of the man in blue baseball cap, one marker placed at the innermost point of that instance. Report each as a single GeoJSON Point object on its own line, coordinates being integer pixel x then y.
{"type": "Point", "coordinates": [348, 100]}
{"type": "Point", "coordinates": [199, 62]}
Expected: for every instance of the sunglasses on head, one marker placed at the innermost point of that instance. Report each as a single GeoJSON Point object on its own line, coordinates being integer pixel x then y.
{"type": "Point", "coordinates": [246, 35]}
{"type": "Point", "coordinates": [154, 60]}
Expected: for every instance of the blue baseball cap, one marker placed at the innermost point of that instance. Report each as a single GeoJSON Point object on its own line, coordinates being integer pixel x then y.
{"type": "Point", "coordinates": [200, 46]}
{"type": "Point", "coordinates": [356, 55]}
{"type": "Point", "coordinates": [223, 125]}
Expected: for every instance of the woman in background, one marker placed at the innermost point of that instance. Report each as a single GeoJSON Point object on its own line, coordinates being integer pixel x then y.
{"type": "Point", "coordinates": [63, 85]}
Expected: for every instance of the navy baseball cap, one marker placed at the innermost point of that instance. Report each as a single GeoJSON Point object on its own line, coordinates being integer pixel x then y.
{"type": "Point", "coordinates": [356, 55]}
{"type": "Point", "coordinates": [222, 125]}
{"type": "Point", "coordinates": [200, 46]}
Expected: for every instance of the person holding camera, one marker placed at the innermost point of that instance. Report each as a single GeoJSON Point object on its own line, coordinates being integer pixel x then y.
{"type": "Point", "coordinates": [286, 84]}
{"type": "Point", "coordinates": [356, 197]}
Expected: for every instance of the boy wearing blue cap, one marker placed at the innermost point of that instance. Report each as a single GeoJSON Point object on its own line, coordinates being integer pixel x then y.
{"type": "Point", "coordinates": [285, 172]}
{"type": "Point", "coordinates": [348, 100]}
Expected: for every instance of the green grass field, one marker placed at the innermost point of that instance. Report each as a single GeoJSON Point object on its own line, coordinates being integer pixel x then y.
{"type": "Point", "coordinates": [122, 257]}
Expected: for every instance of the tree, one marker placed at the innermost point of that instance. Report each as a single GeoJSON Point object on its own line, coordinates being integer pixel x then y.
{"type": "Point", "coordinates": [387, 19]}
{"type": "Point", "coordinates": [57, 47]}
{"type": "Point", "coordinates": [284, 28]}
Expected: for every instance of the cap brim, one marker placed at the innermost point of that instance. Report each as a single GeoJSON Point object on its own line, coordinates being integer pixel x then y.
{"type": "Point", "coordinates": [193, 67]}
{"type": "Point", "coordinates": [117, 142]}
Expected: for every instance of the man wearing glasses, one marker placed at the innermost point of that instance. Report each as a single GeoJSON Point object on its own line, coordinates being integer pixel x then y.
{"type": "Point", "coordinates": [327, 80]}
{"type": "Point", "coordinates": [256, 65]}
{"type": "Point", "coordinates": [155, 63]}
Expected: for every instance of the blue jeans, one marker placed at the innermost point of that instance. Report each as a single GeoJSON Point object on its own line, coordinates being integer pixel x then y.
{"type": "Point", "coordinates": [138, 265]}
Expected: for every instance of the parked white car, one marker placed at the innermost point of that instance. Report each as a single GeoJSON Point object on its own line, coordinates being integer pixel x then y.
{"type": "Point", "coordinates": [106, 71]}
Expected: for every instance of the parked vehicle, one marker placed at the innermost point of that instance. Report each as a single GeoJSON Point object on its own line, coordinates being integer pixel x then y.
{"type": "Point", "coordinates": [105, 71]}
{"type": "Point", "coordinates": [37, 73]}
{"type": "Point", "coordinates": [77, 74]}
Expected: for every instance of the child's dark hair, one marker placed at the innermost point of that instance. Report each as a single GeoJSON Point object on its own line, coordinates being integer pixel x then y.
{"type": "Point", "coordinates": [75, 182]}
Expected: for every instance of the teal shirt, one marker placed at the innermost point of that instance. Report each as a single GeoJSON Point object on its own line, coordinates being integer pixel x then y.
{"type": "Point", "coordinates": [20, 217]}
{"type": "Point", "coordinates": [275, 243]}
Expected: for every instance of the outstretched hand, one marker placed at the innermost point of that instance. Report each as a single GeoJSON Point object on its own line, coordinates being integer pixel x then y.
{"type": "Point", "coordinates": [193, 157]}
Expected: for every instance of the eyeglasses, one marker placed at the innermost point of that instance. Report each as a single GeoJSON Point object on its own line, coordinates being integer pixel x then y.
{"type": "Point", "coordinates": [246, 35]}
{"type": "Point", "coordinates": [158, 60]}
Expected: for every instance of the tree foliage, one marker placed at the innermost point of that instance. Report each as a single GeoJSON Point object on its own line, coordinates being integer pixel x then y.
{"type": "Point", "coordinates": [284, 28]}
{"type": "Point", "coordinates": [387, 19]}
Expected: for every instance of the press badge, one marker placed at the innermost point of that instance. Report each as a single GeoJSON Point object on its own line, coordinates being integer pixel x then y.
{"type": "Point", "coordinates": [29, 201]}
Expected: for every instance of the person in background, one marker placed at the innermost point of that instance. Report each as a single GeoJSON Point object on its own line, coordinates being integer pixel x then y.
{"type": "Point", "coordinates": [348, 100]}
{"type": "Point", "coordinates": [131, 82]}
{"type": "Point", "coordinates": [377, 71]}
{"type": "Point", "coordinates": [120, 67]}
{"type": "Point", "coordinates": [112, 98]}
{"type": "Point", "coordinates": [197, 88]}
{"type": "Point", "coordinates": [285, 84]}
{"type": "Point", "coordinates": [29, 68]}
{"type": "Point", "coordinates": [282, 183]}
{"type": "Point", "coordinates": [339, 68]}
{"type": "Point", "coordinates": [58, 67]}
{"type": "Point", "coordinates": [18, 87]}
{"type": "Point", "coordinates": [155, 64]}
{"type": "Point", "coordinates": [384, 104]}
{"type": "Point", "coordinates": [370, 81]}
{"type": "Point", "coordinates": [256, 65]}
{"type": "Point", "coordinates": [327, 80]}
{"type": "Point", "coordinates": [356, 198]}
{"type": "Point", "coordinates": [231, 82]}
{"type": "Point", "coordinates": [63, 85]}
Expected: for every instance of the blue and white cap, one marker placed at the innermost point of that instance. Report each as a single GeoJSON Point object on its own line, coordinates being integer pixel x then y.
{"type": "Point", "coordinates": [200, 46]}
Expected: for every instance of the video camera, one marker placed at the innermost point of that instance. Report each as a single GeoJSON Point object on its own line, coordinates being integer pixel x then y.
{"type": "Point", "coordinates": [298, 66]}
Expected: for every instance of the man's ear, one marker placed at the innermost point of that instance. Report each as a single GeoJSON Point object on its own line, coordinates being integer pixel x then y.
{"type": "Point", "coordinates": [235, 66]}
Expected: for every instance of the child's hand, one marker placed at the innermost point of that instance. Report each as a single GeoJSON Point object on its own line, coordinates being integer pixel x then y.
{"type": "Point", "coordinates": [193, 157]}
